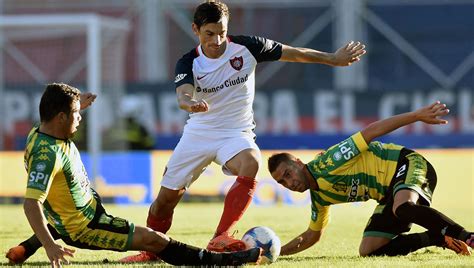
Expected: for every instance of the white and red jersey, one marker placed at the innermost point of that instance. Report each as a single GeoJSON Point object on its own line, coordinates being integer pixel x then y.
{"type": "Point", "coordinates": [227, 83]}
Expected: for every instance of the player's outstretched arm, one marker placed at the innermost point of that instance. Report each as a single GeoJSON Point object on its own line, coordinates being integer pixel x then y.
{"type": "Point", "coordinates": [344, 56]}
{"type": "Point", "coordinates": [56, 253]}
{"type": "Point", "coordinates": [186, 101]}
{"type": "Point", "coordinates": [429, 114]}
{"type": "Point", "coordinates": [301, 242]}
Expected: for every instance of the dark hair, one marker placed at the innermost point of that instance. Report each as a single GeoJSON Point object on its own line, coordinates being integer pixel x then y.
{"type": "Point", "coordinates": [275, 160]}
{"type": "Point", "coordinates": [210, 12]}
{"type": "Point", "coordinates": [57, 97]}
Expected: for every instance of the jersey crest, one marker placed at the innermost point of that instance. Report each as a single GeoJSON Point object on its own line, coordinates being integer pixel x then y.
{"type": "Point", "coordinates": [237, 63]}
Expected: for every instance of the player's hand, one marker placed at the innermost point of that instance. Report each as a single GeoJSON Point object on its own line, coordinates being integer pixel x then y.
{"type": "Point", "coordinates": [430, 114]}
{"type": "Point", "coordinates": [57, 254]}
{"type": "Point", "coordinates": [87, 99]}
{"type": "Point", "coordinates": [348, 54]}
{"type": "Point", "coordinates": [199, 106]}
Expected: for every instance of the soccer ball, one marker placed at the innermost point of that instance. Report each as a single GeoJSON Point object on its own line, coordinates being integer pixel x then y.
{"type": "Point", "coordinates": [266, 239]}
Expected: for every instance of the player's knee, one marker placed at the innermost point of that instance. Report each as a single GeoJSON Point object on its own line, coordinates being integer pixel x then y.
{"type": "Point", "coordinates": [146, 239]}
{"type": "Point", "coordinates": [252, 165]}
{"type": "Point", "coordinates": [155, 241]}
{"type": "Point", "coordinates": [160, 240]}
{"type": "Point", "coordinates": [403, 210]}
{"type": "Point", "coordinates": [165, 203]}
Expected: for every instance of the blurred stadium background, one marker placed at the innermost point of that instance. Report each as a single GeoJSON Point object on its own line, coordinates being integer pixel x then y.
{"type": "Point", "coordinates": [125, 50]}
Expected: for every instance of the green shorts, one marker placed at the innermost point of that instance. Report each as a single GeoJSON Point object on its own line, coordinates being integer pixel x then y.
{"type": "Point", "coordinates": [104, 232]}
{"type": "Point", "coordinates": [413, 172]}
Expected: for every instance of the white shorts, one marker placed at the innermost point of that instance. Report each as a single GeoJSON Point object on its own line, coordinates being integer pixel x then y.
{"type": "Point", "coordinates": [195, 152]}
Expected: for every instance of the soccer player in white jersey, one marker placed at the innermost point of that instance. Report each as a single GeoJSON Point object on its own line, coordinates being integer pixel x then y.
{"type": "Point", "coordinates": [215, 83]}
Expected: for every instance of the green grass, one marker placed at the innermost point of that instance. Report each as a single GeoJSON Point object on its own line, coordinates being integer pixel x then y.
{"type": "Point", "coordinates": [194, 224]}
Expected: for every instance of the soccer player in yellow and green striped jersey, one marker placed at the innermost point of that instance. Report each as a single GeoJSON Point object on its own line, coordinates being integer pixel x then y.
{"type": "Point", "coordinates": [59, 202]}
{"type": "Point", "coordinates": [57, 179]}
{"type": "Point", "coordinates": [359, 169]}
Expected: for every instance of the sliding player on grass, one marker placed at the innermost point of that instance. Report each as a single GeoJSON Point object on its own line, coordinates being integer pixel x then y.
{"type": "Point", "coordinates": [358, 169]}
{"type": "Point", "coordinates": [60, 203]}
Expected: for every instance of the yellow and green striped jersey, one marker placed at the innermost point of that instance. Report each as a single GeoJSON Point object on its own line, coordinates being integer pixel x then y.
{"type": "Point", "coordinates": [350, 171]}
{"type": "Point", "coordinates": [57, 178]}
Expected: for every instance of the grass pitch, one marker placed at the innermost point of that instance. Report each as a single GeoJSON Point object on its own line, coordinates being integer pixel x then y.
{"type": "Point", "coordinates": [194, 223]}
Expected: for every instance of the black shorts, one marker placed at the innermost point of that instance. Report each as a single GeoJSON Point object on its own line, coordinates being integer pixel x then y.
{"type": "Point", "coordinates": [413, 172]}
{"type": "Point", "coordinates": [104, 232]}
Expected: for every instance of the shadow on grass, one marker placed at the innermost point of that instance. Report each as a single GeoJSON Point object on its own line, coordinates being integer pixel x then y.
{"type": "Point", "coordinates": [48, 264]}
{"type": "Point", "coordinates": [97, 263]}
{"type": "Point", "coordinates": [414, 256]}
{"type": "Point", "coordinates": [316, 258]}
